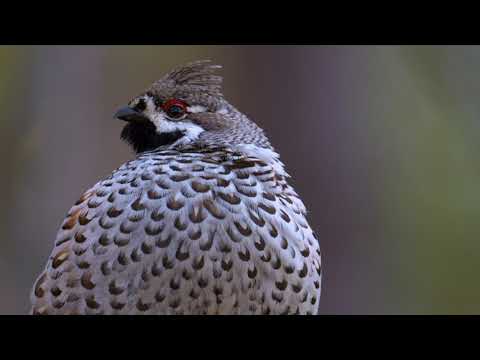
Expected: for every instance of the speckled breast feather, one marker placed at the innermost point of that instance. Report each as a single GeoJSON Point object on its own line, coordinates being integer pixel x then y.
{"type": "Point", "coordinates": [179, 232]}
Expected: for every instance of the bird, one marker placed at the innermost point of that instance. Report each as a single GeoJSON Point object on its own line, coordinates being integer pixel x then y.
{"type": "Point", "coordinates": [202, 220]}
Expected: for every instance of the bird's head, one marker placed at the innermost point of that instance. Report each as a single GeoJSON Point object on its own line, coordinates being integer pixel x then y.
{"type": "Point", "coordinates": [186, 107]}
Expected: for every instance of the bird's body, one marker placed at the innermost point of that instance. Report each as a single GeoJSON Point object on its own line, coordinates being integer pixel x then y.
{"type": "Point", "coordinates": [207, 225]}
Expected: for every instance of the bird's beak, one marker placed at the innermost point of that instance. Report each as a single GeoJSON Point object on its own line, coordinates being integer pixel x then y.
{"type": "Point", "coordinates": [128, 114]}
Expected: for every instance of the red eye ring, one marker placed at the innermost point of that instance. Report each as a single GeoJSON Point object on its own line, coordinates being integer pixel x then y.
{"type": "Point", "coordinates": [175, 108]}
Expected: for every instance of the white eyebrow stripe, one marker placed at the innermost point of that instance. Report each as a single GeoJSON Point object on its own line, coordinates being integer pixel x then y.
{"type": "Point", "coordinates": [196, 109]}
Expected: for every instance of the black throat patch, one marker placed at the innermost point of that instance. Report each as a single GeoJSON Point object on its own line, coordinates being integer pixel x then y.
{"type": "Point", "coordinates": [143, 137]}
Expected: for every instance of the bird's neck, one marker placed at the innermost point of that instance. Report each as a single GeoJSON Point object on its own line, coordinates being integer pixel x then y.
{"type": "Point", "coordinates": [250, 151]}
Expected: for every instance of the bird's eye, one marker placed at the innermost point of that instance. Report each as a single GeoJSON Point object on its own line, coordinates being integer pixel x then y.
{"type": "Point", "coordinates": [175, 108]}
{"type": "Point", "coordinates": [141, 106]}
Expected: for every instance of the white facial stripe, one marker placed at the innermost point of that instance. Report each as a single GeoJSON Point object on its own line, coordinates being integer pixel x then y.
{"type": "Point", "coordinates": [150, 109]}
{"type": "Point", "coordinates": [196, 109]}
{"type": "Point", "coordinates": [164, 125]}
{"type": "Point", "coordinates": [192, 132]}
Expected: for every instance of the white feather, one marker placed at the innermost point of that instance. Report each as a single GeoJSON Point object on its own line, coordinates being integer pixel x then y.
{"type": "Point", "coordinates": [268, 156]}
{"type": "Point", "coordinates": [164, 125]}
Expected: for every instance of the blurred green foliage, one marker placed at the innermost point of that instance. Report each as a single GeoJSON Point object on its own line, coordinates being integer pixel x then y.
{"type": "Point", "coordinates": [432, 190]}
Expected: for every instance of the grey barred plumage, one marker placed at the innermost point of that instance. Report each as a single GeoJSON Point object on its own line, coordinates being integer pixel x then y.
{"type": "Point", "coordinates": [204, 222]}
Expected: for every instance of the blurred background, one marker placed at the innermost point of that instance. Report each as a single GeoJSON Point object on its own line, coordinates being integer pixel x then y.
{"type": "Point", "coordinates": [382, 143]}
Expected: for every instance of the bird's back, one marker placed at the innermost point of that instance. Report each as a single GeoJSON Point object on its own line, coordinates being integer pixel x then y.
{"type": "Point", "coordinates": [184, 232]}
